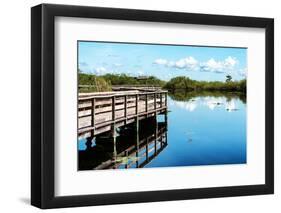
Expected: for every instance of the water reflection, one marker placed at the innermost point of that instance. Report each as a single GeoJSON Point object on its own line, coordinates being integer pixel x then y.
{"type": "Point", "coordinates": [205, 128]}
{"type": "Point", "coordinates": [212, 100]}
{"type": "Point", "coordinates": [180, 95]}
{"type": "Point", "coordinates": [132, 150]}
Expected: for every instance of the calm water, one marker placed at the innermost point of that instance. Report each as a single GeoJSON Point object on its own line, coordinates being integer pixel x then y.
{"type": "Point", "coordinates": [202, 129]}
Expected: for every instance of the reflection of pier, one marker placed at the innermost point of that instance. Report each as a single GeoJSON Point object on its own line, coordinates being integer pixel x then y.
{"type": "Point", "coordinates": [106, 111]}
{"type": "Point", "coordinates": [130, 150]}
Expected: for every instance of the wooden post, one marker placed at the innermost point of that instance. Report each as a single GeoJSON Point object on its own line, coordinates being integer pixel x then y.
{"type": "Point", "coordinates": [113, 134]}
{"type": "Point", "coordinates": [93, 117]}
{"type": "Point", "coordinates": [113, 130]}
{"type": "Point", "coordinates": [113, 108]}
{"type": "Point", "coordinates": [155, 146]}
{"type": "Point", "coordinates": [155, 133]}
{"type": "Point", "coordinates": [166, 137]}
{"type": "Point", "coordinates": [160, 100]}
{"type": "Point", "coordinates": [146, 103]}
{"type": "Point", "coordinates": [161, 139]}
{"type": "Point", "coordinates": [137, 103]}
{"type": "Point", "coordinates": [125, 107]}
{"type": "Point", "coordinates": [166, 118]}
{"type": "Point", "coordinates": [166, 100]}
{"type": "Point", "coordinates": [126, 154]}
{"type": "Point", "coordinates": [155, 101]}
{"type": "Point", "coordinates": [137, 141]}
{"type": "Point", "coordinates": [88, 143]}
{"type": "Point", "coordinates": [146, 149]}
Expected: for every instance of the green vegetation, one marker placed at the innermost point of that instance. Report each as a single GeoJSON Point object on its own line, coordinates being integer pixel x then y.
{"type": "Point", "coordinates": [185, 83]}
{"type": "Point", "coordinates": [96, 83]}
{"type": "Point", "coordinates": [104, 82]}
{"type": "Point", "coordinates": [124, 79]}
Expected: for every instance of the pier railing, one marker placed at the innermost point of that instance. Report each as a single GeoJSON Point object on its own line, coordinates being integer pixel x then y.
{"type": "Point", "coordinates": [101, 112]}
{"type": "Point", "coordinates": [138, 87]}
{"type": "Point", "coordinates": [143, 87]}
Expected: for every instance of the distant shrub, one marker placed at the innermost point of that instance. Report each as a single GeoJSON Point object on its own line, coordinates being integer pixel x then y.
{"type": "Point", "coordinates": [182, 82]}
{"type": "Point", "coordinates": [95, 83]}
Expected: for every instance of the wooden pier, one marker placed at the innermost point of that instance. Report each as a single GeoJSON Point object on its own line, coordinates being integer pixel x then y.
{"type": "Point", "coordinates": [101, 112]}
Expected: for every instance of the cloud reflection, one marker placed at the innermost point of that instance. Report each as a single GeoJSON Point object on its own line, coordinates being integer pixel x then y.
{"type": "Point", "coordinates": [211, 102]}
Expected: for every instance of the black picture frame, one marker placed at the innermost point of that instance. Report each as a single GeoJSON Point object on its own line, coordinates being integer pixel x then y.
{"type": "Point", "coordinates": [43, 111]}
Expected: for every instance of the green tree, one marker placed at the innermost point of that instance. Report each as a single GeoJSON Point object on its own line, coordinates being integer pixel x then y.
{"type": "Point", "coordinates": [228, 78]}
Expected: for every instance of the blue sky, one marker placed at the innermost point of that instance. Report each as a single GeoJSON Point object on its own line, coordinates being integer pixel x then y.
{"type": "Point", "coordinates": [162, 61]}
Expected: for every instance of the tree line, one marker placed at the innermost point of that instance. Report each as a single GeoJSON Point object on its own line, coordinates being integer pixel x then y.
{"type": "Point", "coordinates": [185, 83]}
{"type": "Point", "coordinates": [104, 82]}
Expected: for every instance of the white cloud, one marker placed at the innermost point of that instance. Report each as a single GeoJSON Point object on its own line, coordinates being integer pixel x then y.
{"type": "Point", "coordinates": [188, 63]}
{"type": "Point", "coordinates": [231, 106]}
{"type": "Point", "coordinates": [191, 64]}
{"type": "Point", "coordinates": [189, 106]}
{"type": "Point", "coordinates": [213, 65]}
{"type": "Point", "coordinates": [160, 61]}
{"type": "Point", "coordinates": [180, 64]}
{"type": "Point", "coordinates": [212, 102]}
{"type": "Point", "coordinates": [230, 62]}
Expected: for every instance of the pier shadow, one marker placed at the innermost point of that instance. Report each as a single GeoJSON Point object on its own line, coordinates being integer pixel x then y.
{"type": "Point", "coordinates": [133, 147]}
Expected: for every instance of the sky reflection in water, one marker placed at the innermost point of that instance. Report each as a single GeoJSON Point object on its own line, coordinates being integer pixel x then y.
{"type": "Point", "coordinates": [205, 130]}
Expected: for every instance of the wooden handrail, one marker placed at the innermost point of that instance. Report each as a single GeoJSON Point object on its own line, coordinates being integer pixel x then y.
{"type": "Point", "coordinates": [88, 96]}
{"type": "Point", "coordinates": [130, 85]}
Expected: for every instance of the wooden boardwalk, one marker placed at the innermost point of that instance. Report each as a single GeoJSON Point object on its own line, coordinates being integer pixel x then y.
{"type": "Point", "coordinates": [101, 112]}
